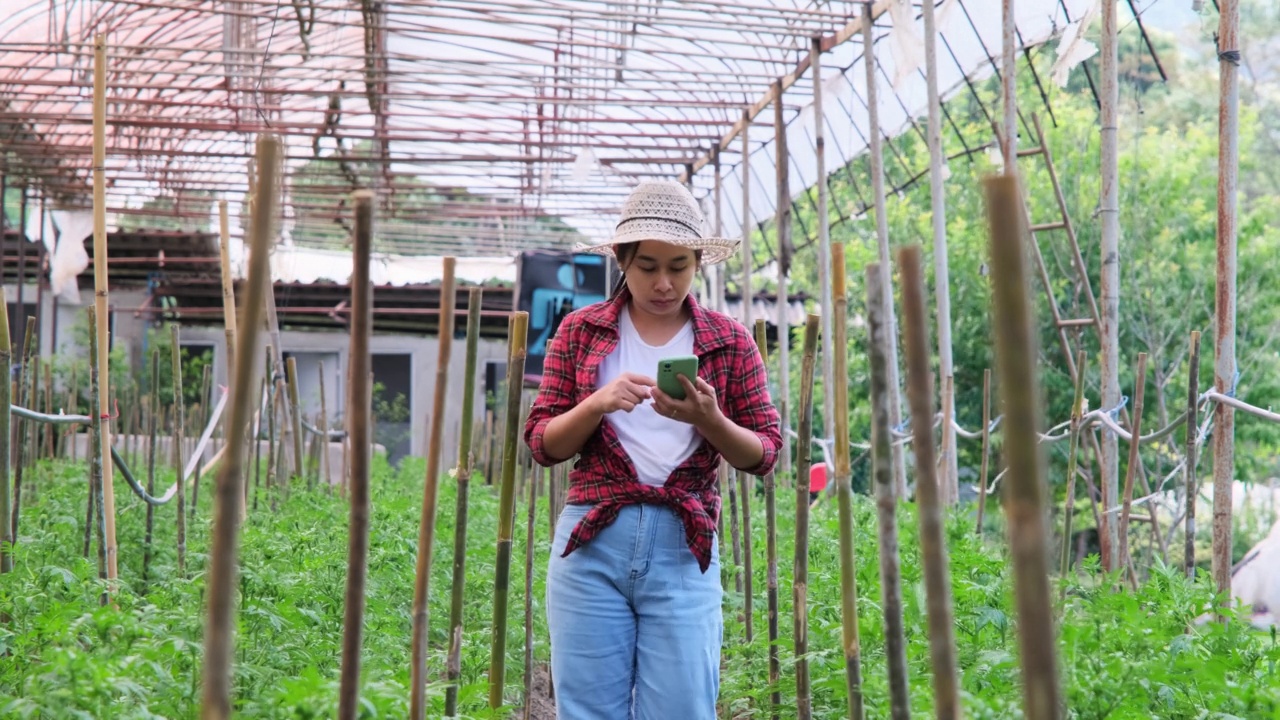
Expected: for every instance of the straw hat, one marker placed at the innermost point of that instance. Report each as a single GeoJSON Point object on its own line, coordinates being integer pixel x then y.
{"type": "Point", "coordinates": [664, 210]}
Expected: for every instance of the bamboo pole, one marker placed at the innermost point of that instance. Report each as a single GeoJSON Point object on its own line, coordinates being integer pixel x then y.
{"type": "Point", "coordinates": [747, 261]}
{"type": "Point", "coordinates": [882, 242]}
{"type": "Point", "coordinates": [295, 417]}
{"type": "Point", "coordinates": [1224, 356]}
{"type": "Point", "coordinates": [6, 399]}
{"type": "Point", "coordinates": [1024, 500]}
{"type": "Point", "coordinates": [745, 485]}
{"type": "Point", "coordinates": [175, 358]}
{"type": "Point", "coordinates": [771, 556]}
{"type": "Point", "coordinates": [844, 491]}
{"type": "Point", "coordinates": [153, 431]}
{"type": "Point", "coordinates": [933, 542]}
{"type": "Point", "coordinates": [20, 439]}
{"type": "Point", "coordinates": [1077, 412]}
{"type": "Point", "coordinates": [216, 699]}
{"type": "Point", "coordinates": [1189, 472]}
{"type": "Point", "coordinates": [734, 531]}
{"type": "Point", "coordinates": [948, 493]}
{"type": "Point", "coordinates": [263, 398]}
{"type": "Point", "coordinates": [466, 466]}
{"type": "Point", "coordinates": [1109, 210]}
{"type": "Point", "coordinates": [518, 330]}
{"type": "Point", "coordinates": [895, 642]}
{"type": "Point", "coordinates": [1135, 444]}
{"type": "Point", "coordinates": [528, 595]}
{"type": "Point", "coordinates": [324, 433]}
{"type": "Point", "coordinates": [50, 430]}
{"type": "Point", "coordinates": [73, 407]}
{"type": "Point", "coordinates": [95, 458]}
{"type": "Point", "coordinates": [824, 239]}
{"type": "Point", "coordinates": [361, 450]}
{"type": "Point", "coordinates": [100, 295]}
{"type": "Point", "coordinates": [782, 226]}
{"type": "Point", "coordinates": [1009, 89]}
{"type": "Point", "coordinates": [986, 446]}
{"type": "Point", "coordinates": [800, 570]}
{"type": "Point", "coordinates": [427, 527]}
{"type": "Point", "coordinates": [941, 269]}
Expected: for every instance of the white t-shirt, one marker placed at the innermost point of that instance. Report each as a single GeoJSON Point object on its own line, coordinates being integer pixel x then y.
{"type": "Point", "coordinates": [656, 444]}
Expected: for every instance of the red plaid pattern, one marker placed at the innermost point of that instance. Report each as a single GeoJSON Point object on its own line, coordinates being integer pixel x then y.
{"type": "Point", "coordinates": [603, 474]}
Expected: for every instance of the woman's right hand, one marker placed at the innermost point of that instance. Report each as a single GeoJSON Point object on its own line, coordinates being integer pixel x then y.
{"type": "Point", "coordinates": [624, 393]}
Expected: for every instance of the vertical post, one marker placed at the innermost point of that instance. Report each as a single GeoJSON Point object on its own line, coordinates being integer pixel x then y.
{"type": "Point", "coordinates": [22, 261]}
{"type": "Point", "coordinates": [1224, 363]}
{"type": "Point", "coordinates": [1192, 444]}
{"type": "Point", "coordinates": [941, 270]}
{"type": "Point", "coordinates": [800, 570]}
{"type": "Point", "coordinates": [175, 357]}
{"type": "Point", "coordinates": [747, 295]}
{"type": "Point", "coordinates": [986, 446]}
{"type": "Point", "coordinates": [1110, 212]}
{"type": "Point", "coordinates": [782, 221]}
{"type": "Point", "coordinates": [717, 294]}
{"type": "Point", "coordinates": [324, 435]}
{"type": "Point", "coordinates": [1077, 413]}
{"type": "Point", "coordinates": [882, 238]}
{"type": "Point", "coordinates": [771, 559]}
{"type": "Point", "coordinates": [427, 525]}
{"type": "Point", "coordinates": [1009, 90]}
{"type": "Point", "coordinates": [6, 399]}
{"type": "Point", "coordinates": [1024, 494]}
{"type": "Point", "coordinates": [153, 428]}
{"type": "Point", "coordinates": [358, 428]}
{"type": "Point", "coordinates": [844, 493]}
{"type": "Point", "coordinates": [291, 379]}
{"type": "Point", "coordinates": [1135, 442]}
{"type": "Point", "coordinates": [824, 241]}
{"type": "Point", "coordinates": [100, 296]}
{"type": "Point", "coordinates": [216, 700]}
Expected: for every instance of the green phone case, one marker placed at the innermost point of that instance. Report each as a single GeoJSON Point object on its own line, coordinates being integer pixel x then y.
{"type": "Point", "coordinates": [669, 368]}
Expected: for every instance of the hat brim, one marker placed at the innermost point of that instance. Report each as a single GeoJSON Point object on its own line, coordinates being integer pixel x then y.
{"type": "Point", "coordinates": [714, 249]}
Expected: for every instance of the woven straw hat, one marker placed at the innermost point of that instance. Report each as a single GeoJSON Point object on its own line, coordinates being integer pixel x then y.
{"type": "Point", "coordinates": [664, 210]}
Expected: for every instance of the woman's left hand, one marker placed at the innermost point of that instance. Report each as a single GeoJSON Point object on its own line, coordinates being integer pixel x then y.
{"type": "Point", "coordinates": [698, 408]}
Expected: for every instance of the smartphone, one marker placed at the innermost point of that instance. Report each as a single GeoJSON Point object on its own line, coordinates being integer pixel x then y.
{"type": "Point", "coordinates": [669, 368]}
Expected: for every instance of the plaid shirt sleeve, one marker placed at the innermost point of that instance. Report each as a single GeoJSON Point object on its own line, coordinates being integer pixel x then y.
{"type": "Point", "coordinates": [555, 393]}
{"type": "Point", "coordinates": [750, 406]}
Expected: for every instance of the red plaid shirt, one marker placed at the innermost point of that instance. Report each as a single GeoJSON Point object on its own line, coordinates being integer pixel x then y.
{"type": "Point", "coordinates": [603, 474]}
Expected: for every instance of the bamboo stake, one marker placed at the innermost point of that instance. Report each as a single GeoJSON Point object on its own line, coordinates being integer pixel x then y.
{"type": "Point", "coordinates": [206, 387]}
{"type": "Point", "coordinates": [49, 430]}
{"type": "Point", "coordinates": [782, 226]}
{"type": "Point", "coordinates": [745, 486]}
{"type": "Point", "coordinates": [295, 416]}
{"type": "Point", "coordinates": [466, 466]}
{"type": "Point", "coordinates": [800, 570]}
{"type": "Point", "coordinates": [1189, 473]}
{"type": "Point", "coordinates": [73, 407]}
{"type": "Point", "coordinates": [933, 543]}
{"type": "Point", "coordinates": [518, 331]}
{"type": "Point", "coordinates": [216, 700]}
{"type": "Point", "coordinates": [178, 464]}
{"type": "Point", "coordinates": [1109, 216]}
{"type": "Point", "coordinates": [427, 526]}
{"type": "Point", "coordinates": [734, 532]}
{"type": "Point", "coordinates": [257, 443]}
{"type": "Point", "coordinates": [6, 399]}
{"type": "Point", "coordinates": [1024, 500]}
{"type": "Point", "coordinates": [895, 641]}
{"type": "Point", "coordinates": [20, 441]}
{"type": "Point", "coordinates": [100, 295]}
{"type": "Point", "coordinates": [228, 293]}
{"type": "Point", "coordinates": [986, 446]}
{"type": "Point", "coordinates": [1077, 411]}
{"type": "Point", "coordinates": [844, 490]}
{"type": "Point", "coordinates": [771, 555]}
{"type": "Point", "coordinates": [152, 435]}
{"type": "Point", "coordinates": [324, 435]}
{"type": "Point", "coordinates": [1139, 392]}
{"type": "Point", "coordinates": [359, 429]}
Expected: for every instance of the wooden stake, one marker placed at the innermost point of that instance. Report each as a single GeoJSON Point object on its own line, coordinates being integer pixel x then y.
{"type": "Point", "coordinates": [518, 330]}
{"type": "Point", "coordinates": [1189, 473]}
{"type": "Point", "coordinates": [175, 357]}
{"type": "Point", "coordinates": [427, 526]}
{"type": "Point", "coordinates": [20, 439]}
{"type": "Point", "coordinates": [466, 466]}
{"type": "Point", "coordinates": [295, 416]}
{"type": "Point", "coordinates": [1024, 500]}
{"type": "Point", "coordinates": [1139, 391]}
{"type": "Point", "coordinates": [216, 699]}
{"type": "Point", "coordinates": [771, 554]}
{"type": "Point", "coordinates": [886, 499]}
{"type": "Point", "coordinates": [800, 570]}
{"type": "Point", "coordinates": [844, 490]}
{"type": "Point", "coordinates": [6, 399]}
{"type": "Point", "coordinates": [986, 446]}
{"type": "Point", "coordinates": [734, 533]}
{"type": "Point", "coordinates": [746, 483]}
{"type": "Point", "coordinates": [361, 450]}
{"type": "Point", "coordinates": [73, 408]}
{"type": "Point", "coordinates": [528, 596]}
{"type": "Point", "coordinates": [100, 295]}
{"type": "Point", "coordinates": [153, 431]}
{"type": "Point", "coordinates": [1077, 412]}
{"type": "Point", "coordinates": [49, 429]}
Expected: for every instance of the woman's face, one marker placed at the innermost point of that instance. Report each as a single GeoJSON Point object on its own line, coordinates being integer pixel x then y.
{"type": "Point", "coordinates": [659, 276]}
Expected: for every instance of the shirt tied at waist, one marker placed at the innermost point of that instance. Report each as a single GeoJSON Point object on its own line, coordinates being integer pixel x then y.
{"type": "Point", "coordinates": [699, 520]}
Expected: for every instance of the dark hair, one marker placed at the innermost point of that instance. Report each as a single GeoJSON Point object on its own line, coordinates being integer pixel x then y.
{"type": "Point", "coordinates": [624, 253]}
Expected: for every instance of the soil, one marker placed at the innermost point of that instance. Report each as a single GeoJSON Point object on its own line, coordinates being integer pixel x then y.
{"type": "Point", "coordinates": [542, 706]}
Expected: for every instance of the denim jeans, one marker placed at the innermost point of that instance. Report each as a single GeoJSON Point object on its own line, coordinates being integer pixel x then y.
{"type": "Point", "coordinates": [635, 626]}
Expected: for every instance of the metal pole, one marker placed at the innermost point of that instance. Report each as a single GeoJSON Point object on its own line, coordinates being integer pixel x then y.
{"type": "Point", "coordinates": [782, 222]}
{"type": "Point", "coordinates": [1224, 365]}
{"type": "Point", "coordinates": [1110, 212]}
{"type": "Point", "coordinates": [882, 238]}
{"type": "Point", "coordinates": [746, 218]}
{"type": "Point", "coordinates": [824, 243]}
{"type": "Point", "coordinates": [1009, 91]}
{"type": "Point", "coordinates": [942, 274]}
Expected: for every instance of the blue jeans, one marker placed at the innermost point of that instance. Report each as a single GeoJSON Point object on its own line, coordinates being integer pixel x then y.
{"type": "Point", "coordinates": [635, 626]}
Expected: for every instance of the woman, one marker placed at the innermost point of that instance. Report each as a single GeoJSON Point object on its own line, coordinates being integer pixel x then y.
{"type": "Point", "coordinates": [633, 585]}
